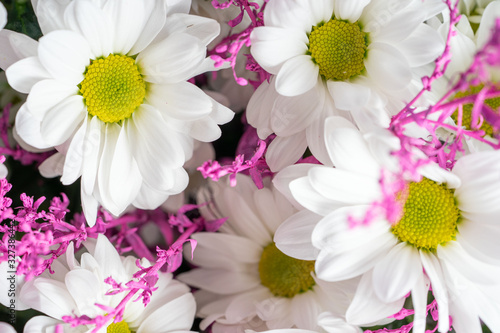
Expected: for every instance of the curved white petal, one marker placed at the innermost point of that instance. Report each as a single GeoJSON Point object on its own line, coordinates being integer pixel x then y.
{"type": "Point", "coordinates": [285, 151]}
{"type": "Point", "coordinates": [15, 46]}
{"type": "Point", "coordinates": [397, 274]}
{"type": "Point", "coordinates": [349, 10]}
{"type": "Point", "coordinates": [88, 19]}
{"type": "Point", "coordinates": [347, 95]}
{"type": "Point", "coordinates": [273, 46]}
{"type": "Point", "coordinates": [65, 55]}
{"type": "Point", "coordinates": [25, 73]}
{"type": "Point", "coordinates": [61, 121]}
{"type": "Point", "coordinates": [387, 67]}
{"type": "Point", "coordinates": [297, 76]}
{"type": "Point", "coordinates": [293, 236]}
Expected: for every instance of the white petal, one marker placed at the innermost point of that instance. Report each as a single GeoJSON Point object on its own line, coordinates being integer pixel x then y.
{"type": "Point", "coordinates": [272, 46]}
{"type": "Point", "coordinates": [398, 26]}
{"type": "Point", "coordinates": [260, 106]}
{"type": "Point", "coordinates": [434, 272]}
{"type": "Point", "coordinates": [396, 274]}
{"type": "Point", "coordinates": [86, 18]}
{"type": "Point", "coordinates": [108, 259]}
{"type": "Point", "coordinates": [183, 100]}
{"type": "Point", "coordinates": [305, 310]}
{"type": "Point", "coordinates": [23, 75]}
{"type": "Point", "coordinates": [294, 114]}
{"type": "Point", "coordinates": [176, 315]}
{"type": "Point", "coordinates": [348, 96]}
{"type": "Point", "coordinates": [128, 20]}
{"type": "Point", "coordinates": [348, 149]}
{"type": "Point", "coordinates": [74, 156]}
{"type": "Point", "coordinates": [297, 76]}
{"type": "Point", "coordinates": [309, 198]}
{"type": "Point", "coordinates": [40, 324]}
{"type": "Point", "coordinates": [172, 60]}
{"type": "Point", "coordinates": [293, 236]}
{"type": "Point", "coordinates": [15, 46]}
{"type": "Point", "coordinates": [422, 47]}
{"type": "Point", "coordinates": [149, 198]}
{"type": "Point", "coordinates": [344, 187]}
{"type": "Point", "coordinates": [203, 28]}
{"type": "Point", "coordinates": [224, 247]}
{"type": "Point", "coordinates": [487, 23]}
{"type": "Point", "coordinates": [46, 94]}
{"type": "Point", "coordinates": [366, 307]}
{"type": "Point", "coordinates": [481, 237]}
{"type": "Point", "coordinates": [419, 299]}
{"type": "Point", "coordinates": [61, 121]}
{"type": "Point", "coordinates": [220, 282]}
{"type": "Point", "coordinates": [154, 20]}
{"type": "Point", "coordinates": [89, 207]}
{"type": "Point", "coordinates": [48, 296]}
{"type": "Point", "coordinates": [387, 67]}
{"type": "Point", "coordinates": [288, 14]}
{"type": "Point", "coordinates": [452, 253]}
{"type": "Point", "coordinates": [321, 10]}
{"type": "Point", "coordinates": [85, 289]}
{"type": "Point", "coordinates": [353, 262]}
{"type": "Point", "coordinates": [50, 14]}
{"type": "Point", "coordinates": [28, 128]}
{"type": "Point", "coordinates": [479, 192]}
{"type": "Point", "coordinates": [3, 16]}
{"type": "Point", "coordinates": [349, 10]}
{"type": "Point", "coordinates": [285, 151]}
{"type": "Point", "coordinates": [124, 177]}
{"type": "Point", "coordinates": [52, 166]}
{"type": "Point", "coordinates": [65, 55]}
{"type": "Point", "coordinates": [92, 149]}
{"type": "Point", "coordinates": [283, 179]}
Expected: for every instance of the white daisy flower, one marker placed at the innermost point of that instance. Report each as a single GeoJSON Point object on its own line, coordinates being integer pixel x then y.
{"type": "Point", "coordinates": [464, 45]}
{"type": "Point", "coordinates": [328, 57]}
{"type": "Point", "coordinates": [75, 288]}
{"type": "Point", "coordinates": [107, 88]}
{"type": "Point", "coordinates": [3, 16]}
{"type": "Point", "coordinates": [246, 282]}
{"type": "Point", "coordinates": [449, 228]}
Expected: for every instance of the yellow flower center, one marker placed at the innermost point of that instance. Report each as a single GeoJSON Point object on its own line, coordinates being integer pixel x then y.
{"type": "Point", "coordinates": [493, 103]}
{"type": "Point", "coordinates": [430, 216]}
{"type": "Point", "coordinates": [339, 49]}
{"type": "Point", "coordinates": [113, 88]}
{"type": "Point", "coordinates": [284, 276]}
{"type": "Point", "coordinates": [121, 327]}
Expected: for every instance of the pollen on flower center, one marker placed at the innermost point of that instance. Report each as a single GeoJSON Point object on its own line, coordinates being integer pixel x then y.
{"type": "Point", "coordinates": [113, 88]}
{"type": "Point", "coordinates": [284, 276]}
{"type": "Point", "coordinates": [339, 49]}
{"type": "Point", "coordinates": [494, 103]}
{"type": "Point", "coordinates": [121, 327]}
{"type": "Point", "coordinates": [430, 215]}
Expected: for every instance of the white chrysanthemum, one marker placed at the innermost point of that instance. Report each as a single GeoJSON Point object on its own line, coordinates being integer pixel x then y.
{"type": "Point", "coordinates": [245, 281]}
{"type": "Point", "coordinates": [107, 87]}
{"type": "Point", "coordinates": [75, 288]}
{"type": "Point", "coordinates": [329, 57]}
{"type": "Point", "coordinates": [449, 228]}
{"type": "Point", "coordinates": [463, 46]}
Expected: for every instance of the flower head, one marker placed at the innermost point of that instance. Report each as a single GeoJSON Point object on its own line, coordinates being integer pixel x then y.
{"type": "Point", "coordinates": [358, 59]}
{"type": "Point", "coordinates": [107, 88]}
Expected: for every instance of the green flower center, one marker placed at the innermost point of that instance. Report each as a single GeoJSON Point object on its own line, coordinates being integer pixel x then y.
{"type": "Point", "coordinates": [112, 88]}
{"type": "Point", "coordinates": [339, 49]}
{"type": "Point", "coordinates": [493, 103]}
{"type": "Point", "coordinates": [430, 216]}
{"type": "Point", "coordinates": [284, 276]}
{"type": "Point", "coordinates": [121, 327]}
